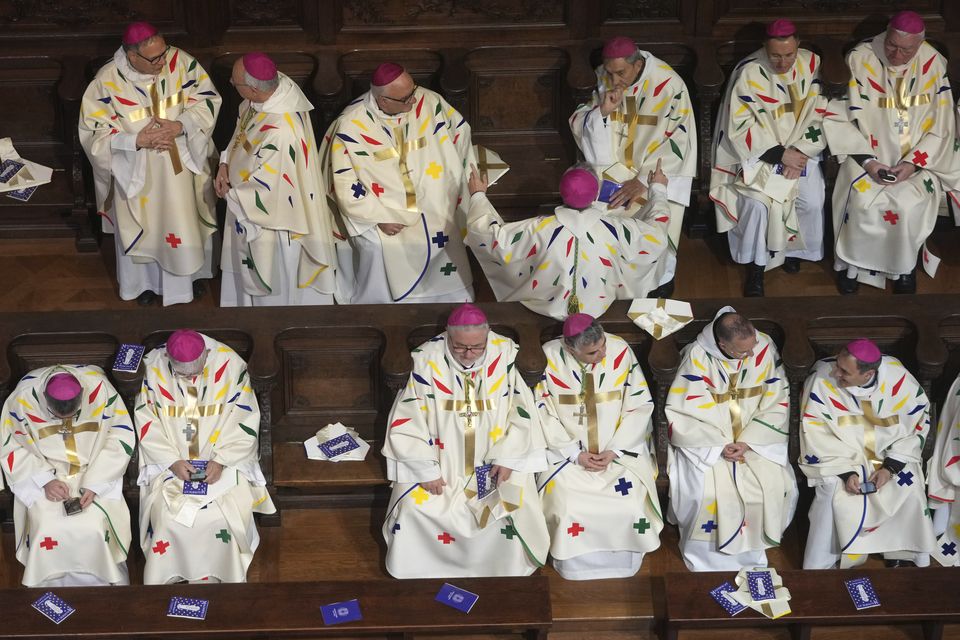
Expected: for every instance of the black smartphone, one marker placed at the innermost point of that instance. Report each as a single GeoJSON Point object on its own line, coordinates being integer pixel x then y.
{"type": "Point", "coordinates": [886, 176]}
{"type": "Point", "coordinates": [868, 487]}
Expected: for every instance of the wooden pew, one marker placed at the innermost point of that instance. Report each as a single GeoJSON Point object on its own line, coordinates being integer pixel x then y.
{"type": "Point", "coordinates": [819, 598]}
{"type": "Point", "coordinates": [286, 610]}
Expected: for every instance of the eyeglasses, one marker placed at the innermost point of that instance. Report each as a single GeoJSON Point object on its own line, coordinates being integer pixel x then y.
{"type": "Point", "coordinates": [406, 100]}
{"type": "Point", "coordinates": [154, 59]}
{"type": "Point", "coordinates": [465, 350]}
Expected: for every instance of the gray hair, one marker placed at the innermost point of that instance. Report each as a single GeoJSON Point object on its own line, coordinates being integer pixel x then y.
{"type": "Point", "coordinates": [922, 34]}
{"type": "Point", "coordinates": [136, 46]}
{"type": "Point", "coordinates": [261, 85]}
{"type": "Point", "coordinates": [590, 335]}
{"type": "Point", "coordinates": [633, 57]}
{"type": "Point", "coordinates": [862, 365]}
{"type": "Point", "coordinates": [467, 327]}
{"type": "Point", "coordinates": [732, 325]}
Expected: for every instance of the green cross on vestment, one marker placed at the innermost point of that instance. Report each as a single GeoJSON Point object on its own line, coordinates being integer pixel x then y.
{"type": "Point", "coordinates": [509, 531]}
{"type": "Point", "coordinates": [641, 526]}
{"type": "Point", "coordinates": [224, 535]}
{"type": "Point", "coordinates": [813, 134]}
{"type": "Point", "coordinates": [928, 183]}
{"type": "Point", "coordinates": [448, 268]}
{"type": "Point", "coordinates": [247, 261]}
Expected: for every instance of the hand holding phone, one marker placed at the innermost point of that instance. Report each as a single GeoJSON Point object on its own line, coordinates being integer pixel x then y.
{"type": "Point", "coordinates": [887, 176]}
{"type": "Point", "coordinates": [868, 487]}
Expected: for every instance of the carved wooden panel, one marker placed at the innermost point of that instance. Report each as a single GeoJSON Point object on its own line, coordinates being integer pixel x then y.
{"type": "Point", "coordinates": [627, 11]}
{"type": "Point", "coordinates": [239, 341]}
{"type": "Point", "coordinates": [422, 64]}
{"type": "Point", "coordinates": [68, 17]}
{"type": "Point", "coordinates": [362, 15]}
{"type": "Point", "coordinates": [895, 337]}
{"type": "Point", "coordinates": [266, 14]}
{"type": "Point", "coordinates": [29, 89]}
{"type": "Point", "coordinates": [327, 376]}
{"type": "Point", "coordinates": [32, 351]}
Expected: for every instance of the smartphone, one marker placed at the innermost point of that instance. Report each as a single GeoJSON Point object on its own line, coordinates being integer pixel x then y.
{"type": "Point", "coordinates": [198, 476]}
{"type": "Point", "coordinates": [71, 506]}
{"type": "Point", "coordinates": [886, 176]}
{"type": "Point", "coordinates": [868, 487]}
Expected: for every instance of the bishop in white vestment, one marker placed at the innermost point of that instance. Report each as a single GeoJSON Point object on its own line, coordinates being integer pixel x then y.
{"type": "Point", "coordinates": [599, 494]}
{"type": "Point", "coordinates": [197, 412]}
{"type": "Point", "coordinates": [67, 442]}
{"type": "Point", "coordinates": [943, 478]}
{"type": "Point", "coordinates": [463, 441]}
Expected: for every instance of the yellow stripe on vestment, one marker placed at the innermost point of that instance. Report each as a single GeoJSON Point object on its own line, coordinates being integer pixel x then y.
{"type": "Point", "coordinates": [496, 385]}
{"type": "Point", "coordinates": [900, 404]}
{"type": "Point", "coordinates": [220, 394]}
{"type": "Point", "coordinates": [361, 125]}
{"type": "Point", "coordinates": [544, 266]}
{"type": "Point", "coordinates": [621, 378]}
{"type": "Point", "coordinates": [159, 374]}
{"type": "Point", "coordinates": [269, 169]}
{"type": "Point", "coordinates": [678, 390]}
{"type": "Point", "coordinates": [25, 403]}
{"type": "Point", "coordinates": [545, 222]}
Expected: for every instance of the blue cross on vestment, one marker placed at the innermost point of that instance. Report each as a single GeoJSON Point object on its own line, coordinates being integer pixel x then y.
{"type": "Point", "coordinates": [396, 527]}
{"type": "Point", "coordinates": [358, 190]}
{"type": "Point", "coordinates": [949, 549]}
{"type": "Point", "coordinates": [906, 478]}
{"type": "Point", "coordinates": [623, 486]}
{"type": "Point", "coordinates": [440, 239]}
{"type": "Point", "coordinates": [811, 459]}
{"type": "Point", "coordinates": [709, 526]}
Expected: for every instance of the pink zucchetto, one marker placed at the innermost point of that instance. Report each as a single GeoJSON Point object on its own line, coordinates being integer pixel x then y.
{"type": "Point", "coordinates": [619, 47]}
{"type": "Point", "coordinates": [386, 73]}
{"type": "Point", "coordinates": [259, 65]}
{"type": "Point", "coordinates": [864, 350]}
{"type": "Point", "coordinates": [576, 324]}
{"type": "Point", "coordinates": [138, 32]}
{"type": "Point", "coordinates": [578, 188]}
{"type": "Point", "coordinates": [63, 386]}
{"type": "Point", "coordinates": [185, 345]}
{"type": "Point", "coordinates": [907, 22]}
{"type": "Point", "coordinates": [466, 315]}
{"type": "Point", "coordinates": [781, 28]}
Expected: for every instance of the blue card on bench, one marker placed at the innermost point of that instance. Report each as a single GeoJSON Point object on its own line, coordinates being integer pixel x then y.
{"type": "Point", "coordinates": [128, 357]}
{"type": "Point", "coordinates": [190, 608]}
{"type": "Point", "coordinates": [729, 605]}
{"type": "Point", "coordinates": [862, 593]}
{"type": "Point", "coordinates": [761, 585]}
{"type": "Point", "coordinates": [340, 612]}
{"type": "Point", "coordinates": [53, 607]}
{"type": "Point", "coordinates": [456, 597]}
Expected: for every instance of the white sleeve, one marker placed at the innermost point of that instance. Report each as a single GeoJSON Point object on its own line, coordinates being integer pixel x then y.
{"type": "Point", "coordinates": [127, 164]}
{"type": "Point", "coordinates": [404, 471]}
{"type": "Point", "coordinates": [596, 140]}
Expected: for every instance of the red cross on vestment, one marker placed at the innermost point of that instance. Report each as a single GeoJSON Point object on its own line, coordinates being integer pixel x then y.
{"type": "Point", "coordinates": [377, 189]}
{"type": "Point", "coordinates": [173, 240]}
{"type": "Point", "coordinates": [891, 217]}
{"type": "Point", "coordinates": [49, 543]}
{"type": "Point", "coordinates": [446, 538]}
{"type": "Point", "coordinates": [920, 158]}
{"type": "Point", "coordinates": [161, 547]}
{"type": "Point", "coordinates": [575, 529]}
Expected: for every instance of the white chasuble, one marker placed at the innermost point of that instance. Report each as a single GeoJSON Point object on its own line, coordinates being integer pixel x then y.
{"type": "Point", "coordinates": [943, 471]}
{"type": "Point", "coordinates": [853, 429]}
{"type": "Point", "coordinates": [90, 450]}
{"type": "Point", "coordinates": [763, 110]}
{"type": "Point", "coordinates": [213, 416]}
{"type": "Point", "coordinates": [729, 511]}
{"type": "Point", "coordinates": [447, 421]}
{"type": "Point", "coordinates": [602, 407]}
{"type": "Point", "coordinates": [406, 169]}
{"type": "Point", "coordinates": [654, 121]}
{"type": "Point", "coordinates": [572, 261]}
{"type": "Point", "coordinates": [161, 204]}
{"type": "Point", "coordinates": [897, 114]}
{"type": "Point", "coordinates": [277, 198]}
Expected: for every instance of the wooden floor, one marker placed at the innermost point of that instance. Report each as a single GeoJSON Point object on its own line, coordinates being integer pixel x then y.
{"type": "Point", "coordinates": [324, 544]}
{"type": "Point", "coordinates": [49, 275]}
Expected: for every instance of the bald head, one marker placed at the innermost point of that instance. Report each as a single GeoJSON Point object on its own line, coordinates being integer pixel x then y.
{"type": "Point", "coordinates": [250, 88]}
{"type": "Point", "coordinates": [396, 97]}
{"type": "Point", "coordinates": [736, 335]}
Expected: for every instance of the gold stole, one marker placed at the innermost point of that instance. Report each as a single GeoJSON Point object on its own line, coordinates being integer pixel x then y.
{"type": "Point", "coordinates": [588, 399]}
{"type": "Point", "coordinates": [242, 140]}
{"type": "Point", "coordinates": [68, 430]}
{"type": "Point", "coordinates": [901, 102]}
{"type": "Point", "coordinates": [468, 409]}
{"type": "Point", "coordinates": [869, 421]}
{"type": "Point", "coordinates": [732, 396]}
{"type": "Point", "coordinates": [193, 412]}
{"type": "Point", "coordinates": [631, 119]}
{"type": "Point", "coordinates": [400, 151]}
{"type": "Point", "coordinates": [159, 108]}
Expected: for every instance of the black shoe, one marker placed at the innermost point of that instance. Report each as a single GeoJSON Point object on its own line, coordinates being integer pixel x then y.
{"type": "Point", "coordinates": [146, 298]}
{"type": "Point", "coordinates": [846, 286]}
{"type": "Point", "coordinates": [907, 283]}
{"type": "Point", "coordinates": [663, 291]}
{"type": "Point", "coordinates": [753, 287]}
{"type": "Point", "coordinates": [199, 288]}
{"type": "Point", "coordinates": [791, 265]}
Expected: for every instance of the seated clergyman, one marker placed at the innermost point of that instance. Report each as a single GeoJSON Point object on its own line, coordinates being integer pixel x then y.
{"type": "Point", "coordinates": [599, 494]}
{"type": "Point", "coordinates": [67, 443]}
{"type": "Point", "coordinates": [197, 414]}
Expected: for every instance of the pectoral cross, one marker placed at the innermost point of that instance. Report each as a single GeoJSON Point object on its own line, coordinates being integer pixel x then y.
{"type": "Point", "coordinates": [68, 430]}
{"type": "Point", "coordinates": [732, 397]}
{"type": "Point", "coordinates": [242, 140]}
{"type": "Point", "coordinates": [587, 401]}
{"type": "Point", "coordinates": [901, 124]}
{"type": "Point", "coordinates": [158, 109]}
{"type": "Point", "coordinates": [631, 120]}
{"type": "Point", "coordinates": [581, 414]}
{"type": "Point", "coordinates": [189, 432]}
